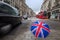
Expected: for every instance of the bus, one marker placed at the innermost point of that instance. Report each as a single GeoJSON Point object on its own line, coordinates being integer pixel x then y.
{"type": "Point", "coordinates": [42, 15]}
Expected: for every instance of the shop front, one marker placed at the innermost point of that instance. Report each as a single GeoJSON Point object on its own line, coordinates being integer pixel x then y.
{"type": "Point", "coordinates": [55, 14]}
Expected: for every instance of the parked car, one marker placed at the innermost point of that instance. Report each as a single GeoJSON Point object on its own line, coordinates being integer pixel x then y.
{"type": "Point", "coordinates": [25, 16]}
{"type": "Point", "coordinates": [9, 17]}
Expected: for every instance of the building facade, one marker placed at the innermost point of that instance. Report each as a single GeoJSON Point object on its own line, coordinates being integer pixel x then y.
{"type": "Point", "coordinates": [16, 3]}
{"type": "Point", "coordinates": [44, 6]}
{"type": "Point", "coordinates": [52, 7]}
{"type": "Point", "coordinates": [55, 9]}
{"type": "Point", "coordinates": [20, 5]}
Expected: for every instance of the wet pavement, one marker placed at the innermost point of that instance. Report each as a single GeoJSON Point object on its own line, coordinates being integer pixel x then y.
{"type": "Point", "coordinates": [22, 32]}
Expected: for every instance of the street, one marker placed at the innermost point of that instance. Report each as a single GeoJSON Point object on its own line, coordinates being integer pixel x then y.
{"type": "Point", "coordinates": [17, 17]}
{"type": "Point", "coordinates": [22, 32]}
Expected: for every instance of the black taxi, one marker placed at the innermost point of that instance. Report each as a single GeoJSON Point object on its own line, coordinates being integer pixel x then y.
{"type": "Point", "coordinates": [9, 16]}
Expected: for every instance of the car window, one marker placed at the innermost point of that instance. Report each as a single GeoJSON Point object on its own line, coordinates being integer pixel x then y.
{"type": "Point", "coordinates": [8, 10]}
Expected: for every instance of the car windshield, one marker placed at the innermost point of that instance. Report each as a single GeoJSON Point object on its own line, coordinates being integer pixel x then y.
{"type": "Point", "coordinates": [7, 10]}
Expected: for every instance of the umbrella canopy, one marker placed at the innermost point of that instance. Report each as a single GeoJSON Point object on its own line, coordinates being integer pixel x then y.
{"type": "Point", "coordinates": [40, 29]}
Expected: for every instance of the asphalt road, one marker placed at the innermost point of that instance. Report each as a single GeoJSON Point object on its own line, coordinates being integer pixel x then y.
{"type": "Point", "coordinates": [22, 32]}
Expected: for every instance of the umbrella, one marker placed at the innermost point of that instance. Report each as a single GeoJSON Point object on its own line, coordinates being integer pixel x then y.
{"type": "Point", "coordinates": [40, 29]}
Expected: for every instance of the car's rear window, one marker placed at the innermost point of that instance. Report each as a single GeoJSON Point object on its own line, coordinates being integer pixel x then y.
{"type": "Point", "coordinates": [7, 10]}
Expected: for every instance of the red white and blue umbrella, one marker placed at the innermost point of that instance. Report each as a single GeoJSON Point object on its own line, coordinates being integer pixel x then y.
{"type": "Point", "coordinates": [40, 29]}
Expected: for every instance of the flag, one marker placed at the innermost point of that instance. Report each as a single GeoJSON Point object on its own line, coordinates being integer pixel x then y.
{"type": "Point", "coordinates": [40, 29]}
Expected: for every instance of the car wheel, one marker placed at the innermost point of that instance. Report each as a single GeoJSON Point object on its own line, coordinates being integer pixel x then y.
{"type": "Point", "coordinates": [5, 29]}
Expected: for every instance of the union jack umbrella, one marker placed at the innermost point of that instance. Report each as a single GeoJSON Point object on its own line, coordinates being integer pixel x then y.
{"type": "Point", "coordinates": [40, 29]}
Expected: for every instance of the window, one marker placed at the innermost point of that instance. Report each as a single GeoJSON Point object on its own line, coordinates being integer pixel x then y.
{"type": "Point", "coordinates": [7, 10]}
{"type": "Point", "coordinates": [7, 1]}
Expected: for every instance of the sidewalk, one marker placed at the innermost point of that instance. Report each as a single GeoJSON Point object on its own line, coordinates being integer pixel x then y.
{"type": "Point", "coordinates": [54, 20]}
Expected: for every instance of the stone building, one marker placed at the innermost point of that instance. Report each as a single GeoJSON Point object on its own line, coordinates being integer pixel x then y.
{"type": "Point", "coordinates": [44, 6]}
{"type": "Point", "coordinates": [17, 4]}
{"type": "Point", "coordinates": [55, 9]}
{"type": "Point", "coordinates": [52, 7]}
{"type": "Point", "coordinates": [20, 5]}
{"type": "Point", "coordinates": [31, 13]}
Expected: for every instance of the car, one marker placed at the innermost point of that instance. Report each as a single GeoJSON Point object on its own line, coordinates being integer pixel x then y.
{"type": "Point", "coordinates": [25, 17]}
{"type": "Point", "coordinates": [9, 17]}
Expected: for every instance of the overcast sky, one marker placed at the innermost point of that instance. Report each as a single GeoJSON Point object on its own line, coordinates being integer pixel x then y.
{"type": "Point", "coordinates": [34, 4]}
